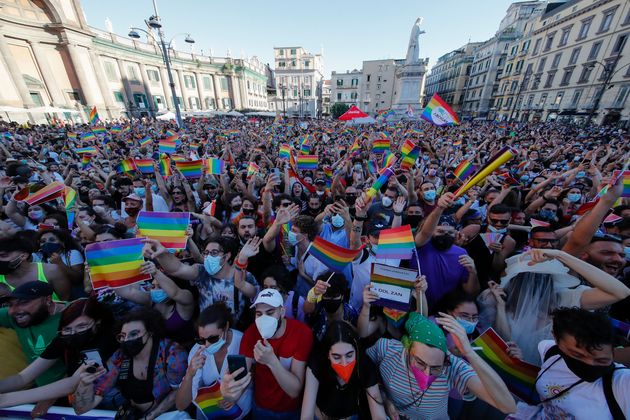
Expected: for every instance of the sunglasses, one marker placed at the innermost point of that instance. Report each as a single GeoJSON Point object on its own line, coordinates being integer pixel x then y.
{"type": "Point", "coordinates": [499, 222]}
{"type": "Point", "coordinates": [210, 339]}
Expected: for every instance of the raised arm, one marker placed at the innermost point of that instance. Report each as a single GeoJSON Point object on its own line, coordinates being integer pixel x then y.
{"type": "Point", "coordinates": [170, 263]}
{"type": "Point", "coordinates": [430, 223]}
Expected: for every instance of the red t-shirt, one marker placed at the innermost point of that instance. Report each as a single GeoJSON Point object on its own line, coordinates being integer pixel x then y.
{"type": "Point", "coordinates": [295, 343]}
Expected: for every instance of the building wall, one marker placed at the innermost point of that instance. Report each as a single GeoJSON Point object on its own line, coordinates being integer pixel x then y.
{"type": "Point", "coordinates": [346, 87]}
{"type": "Point", "coordinates": [377, 89]}
{"type": "Point", "coordinates": [50, 56]}
{"type": "Point", "coordinates": [299, 77]}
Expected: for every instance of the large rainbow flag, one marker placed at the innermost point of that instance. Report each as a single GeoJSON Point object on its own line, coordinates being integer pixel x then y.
{"type": "Point", "coordinates": [166, 227]}
{"type": "Point", "coordinates": [50, 192]}
{"type": "Point", "coordinates": [115, 263]}
{"type": "Point", "coordinates": [396, 243]}
{"type": "Point", "coordinates": [519, 376]}
{"type": "Point", "coordinates": [207, 400]}
{"type": "Point", "coordinates": [166, 146]}
{"type": "Point", "coordinates": [126, 165]}
{"type": "Point", "coordinates": [145, 166]}
{"type": "Point", "coordinates": [332, 256]}
{"type": "Point", "coordinates": [192, 169]}
{"type": "Point", "coordinates": [215, 166]}
{"type": "Point", "coordinates": [438, 112]}
{"type": "Point", "coordinates": [306, 162]}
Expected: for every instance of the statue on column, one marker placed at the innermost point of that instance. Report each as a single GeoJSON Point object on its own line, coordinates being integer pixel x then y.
{"type": "Point", "coordinates": [413, 50]}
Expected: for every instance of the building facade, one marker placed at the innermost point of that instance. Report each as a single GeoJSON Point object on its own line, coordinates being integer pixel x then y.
{"type": "Point", "coordinates": [579, 64]}
{"type": "Point", "coordinates": [377, 89]}
{"type": "Point", "coordinates": [299, 77]}
{"type": "Point", "coordinates": [346, 87]}
{"type": "Point", "coordinates": [326, 95]}
{"type": "Point", "coordinates": [449, 76]}
{"type": "Point", "coordinates": [49, 56]}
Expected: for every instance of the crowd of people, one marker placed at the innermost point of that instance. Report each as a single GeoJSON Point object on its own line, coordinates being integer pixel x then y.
{"type": "Point", "coordinates": [246, 322]}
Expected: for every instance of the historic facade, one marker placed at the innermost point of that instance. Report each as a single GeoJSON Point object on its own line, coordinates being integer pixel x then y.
{"type": "Point", "coordinates": [51, 57]}
{"type": "Point", "coordinates": [345, 87]}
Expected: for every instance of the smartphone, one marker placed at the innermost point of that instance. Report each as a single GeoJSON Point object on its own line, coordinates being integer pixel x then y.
{"type": "Point", "coordinates": [235, 362]}
{"type": "Point", "coordinates": [92, 358]}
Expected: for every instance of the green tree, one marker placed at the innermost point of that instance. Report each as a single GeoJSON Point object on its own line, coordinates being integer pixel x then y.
{"type": "Point", "coordinates": [338, 109]}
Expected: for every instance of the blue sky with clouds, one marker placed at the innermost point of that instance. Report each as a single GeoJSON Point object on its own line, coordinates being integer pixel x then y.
{"type": "Point", "coordinates": [348, 31]}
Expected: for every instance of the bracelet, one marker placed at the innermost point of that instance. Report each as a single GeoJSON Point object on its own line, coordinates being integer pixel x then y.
{"type": "Point", "coordinates": [311, 297]}
{"type": "Point", "coordinates": [239, 265]}
{"type": "Point", "coordinates": [398, 214]}
{"type": "Point", "coordinates": [360, 219]}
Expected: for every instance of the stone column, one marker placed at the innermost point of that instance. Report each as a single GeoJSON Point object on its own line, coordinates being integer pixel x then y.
{"type": "Point", "coordinates": [182, 88]}
{"type": "Point", "coordinates": [103, 84]}
{"type": "Point", "coordinates": [86, 89]}
{"type": "Point", "coordinates": [199, 91]}
{"type": "Point", "coordinates": [217, 89]}
{"type": "Point", "coordinates": [56, 94]}
{"type": "Point", "coordinates": [125, 81]}
{"type": "Point", "coordinates": [15, 73]}
{"type": "Point", "coordinates": [147, 88]}
{"type": "Point", "coordinates": [168, 97]}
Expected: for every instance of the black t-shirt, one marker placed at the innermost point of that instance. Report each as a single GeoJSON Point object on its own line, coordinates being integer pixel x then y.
{"type": "Point", "coordinates": [72, 357]}
{"type": "Point", "coordinates": [339, 401]}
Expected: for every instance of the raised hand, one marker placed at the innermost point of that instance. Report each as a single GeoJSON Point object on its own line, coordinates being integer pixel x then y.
{"type": "Point", "coordinates": [285, 215]}
{"type": "Point", "coordinates": [447, 200]}
{"type": "Point", "coordinates": [458, 333]}
{"type": "Point", "coordinates": [399, 204]}
{"type": "Point", "coordinates": [369, 296]}
{"type": "Point", "coordinates": [153, 248]}
{"type": "Point", "coordinates": [251, 248]}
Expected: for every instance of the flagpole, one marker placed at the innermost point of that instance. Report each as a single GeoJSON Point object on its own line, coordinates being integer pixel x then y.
{"type": "Point", "coordinates": [419, 293]}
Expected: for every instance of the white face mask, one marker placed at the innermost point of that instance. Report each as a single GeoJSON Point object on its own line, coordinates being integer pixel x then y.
{"type": "Point", "coordinates": [267, 326]}
{"type": "Point", "coordinates": [386, 201]}
{"type": "Point", "coordinates": [337, 221]}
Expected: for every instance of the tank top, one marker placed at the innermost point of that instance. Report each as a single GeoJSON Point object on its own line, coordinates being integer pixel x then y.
{"type": "Point", "coordinates": [41, 276]}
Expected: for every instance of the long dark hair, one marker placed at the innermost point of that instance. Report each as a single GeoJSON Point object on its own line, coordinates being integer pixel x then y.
{"type": "Point", "coordinates": [89, 307]}
{"type": "Point", "coordinates": [339, 332]}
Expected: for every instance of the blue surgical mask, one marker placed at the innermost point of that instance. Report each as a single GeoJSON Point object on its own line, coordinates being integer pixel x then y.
{"type": "Point", "coordinates": [212, 264]}
{"type": "Point", "coordinates": [214, 347]}
{"type": "Point", "coordinates": [574, 197]}
{"type": "Point", "coordinates": [626, 250]}
{"type": "Point", "coordinates": [292, 238]}
{"type": "Point", "coordinates": [386, 201]}
{"type": "Point", "coordinates": [525, 178]}
{"type": "Point", "coordinates": [468, 326]}
{"type": "Point", "coordinates": [580, 174]}
{"type": "Point", "coordinates": [337, 221]}
{"type": "Point", "coordinates": [139, 191]}
{"type": "Point", "coordinates": [158, 295]}
{"type": "Point", "coordinates": [429, 195]}
{"type": "Point", "coordinates": [425, 157]}
{"type": "Point", "coordinates": [547, 214]}
{"type": "Point", "coordinates": [496, 230]}
{"type": "Point", "coordinates": [553, 166]}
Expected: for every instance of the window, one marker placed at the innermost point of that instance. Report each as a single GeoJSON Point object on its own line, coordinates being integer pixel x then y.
{"type": "Point", "coordinates": [209, 103]}
{"type": "Point", "coordinates": [353, 95]}
{"type": "Point", "coordinates": [37, 98]}
{"type": "Point", "coordinates": [541, 64]}
{"type": "Point", "coordinates": [339, 82]}
{"type": "Point", "coordinates": [293, 63]}
{"type": "Point", "coordinates": [499, 102]}
{"type": "Point", "coordinates": [586, 74]}
{"type": "Point", "coordinates": [281, 52]}
{"type": "Point", "coordinates": [519, 66]}
{"type": "Point", "coordinates": [566, 77]}
{"type": "Point", "coordinates": [508, 69]}
{"type": "Point", "coordinates": [282, 64]}
{"type": "Point", "coordinates": [295, 93]}
{"type": "Point", "coordinates": [537, 46]}
{"type": "Point", "coordinates": [621, 97]}
{"type": "Point", "coordinates": [558, 99]}
{"type": "Point", "coordinates": [293, 51]}
{"type": "Point", "coordinates": [574, 56]}
{"type": "Point", "coordinates": [338, 96]}
{"type": "Point", "coordinates": [586, 25]}
{"type": "Point", "coordinates": [110, 71]}
{"type": "Point", "coordinates": [525, 46]}
{"type": "Point", "coordinates": [592, 55]}
{"type": "Point", "coordinates": [355, 82]}
{"type": "Point", "coordinates": [189, 82]}
{"type": "Point", "coordinates": [549, 42]}
{"type": "Point", "coordinates": [224, 84]}
{"type": "Point", "coordinates": [193, 102]}
{"type": "Point", "coordinates": [530, 101]}
{"type": "Point", "coordinates": [118, 96]}
{"type": "Point", "coordinates": [543, 99]}
{"type": "Point", "coordinates": [556, 61]}
{"type": "Point", "coordinates": [627, 19]}
{"type": "Point", "coordinates": [575, 99]}
{"type": "Point", "coordinates": [73, 95]}
{"type": "Point", "coordinates": [513, 86]}
{"type": "Point", "coordinates": [564, 38]}
{"type": "Point", "coordinates": [153, 75]}
{"type": "Point", "coordinates": [227, 103]}
{"type": "Point", "coordinates": [207, 83]}
{"type": "Point", "coordinates": [607, 20]}
{"type": "Point", "coordinates": [550, 77]}
{"type": "Point", "coordinates": [140, 100]}
{"type": "Point", "coordinates": [378, 86]}
{"type": "Point", "coordinates": [307, 93]}
{"type": "Point", "coordinates": [619, 44]}
{"type": "Point", "coordinates": [158, 101]}
{"type": "Point", "coordinates": [307, 63]}
{"type": "Point", "coordinates": [508, 103]}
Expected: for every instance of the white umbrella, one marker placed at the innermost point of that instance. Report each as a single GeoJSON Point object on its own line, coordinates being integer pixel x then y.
{"type": "Point", "coordinates": [363, 120]}
{"type": "Point", "coordinates": [165, 117]}
{"type": "Point", "coordinates": [234, 114]}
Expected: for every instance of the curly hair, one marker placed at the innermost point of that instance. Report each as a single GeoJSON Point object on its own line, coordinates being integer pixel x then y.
{"type": "Point", "coordinates": [591, 330]}
{"type": "Point", "coordinates": [307, 226]}
{"type": "Point", "coordinates": [152, 320]}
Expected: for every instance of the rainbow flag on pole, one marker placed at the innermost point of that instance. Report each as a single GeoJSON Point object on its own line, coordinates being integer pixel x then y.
{"type": "Point", "coordinates": [464, 170]}
{"type": "Point", "coordinates": [88, 136]}
{"type": "Point", "coordinates": [166, 146]}
{"type": "Point", "coordinates": [285, 152]}
{"type": "Point", "coordinates": [92, 150]}
{"type": "Point", "coordinates": [192, 169]}
{"type": "Point", "coordinates": [491, 165]}
{"type": "Point", "coordinates": [125, 166]}
{"type": "Point", "coordinates": [519, 376]}
{"type": "Point", "coordinates": [94, 119]}
{"type": "Point", "coordinates": [115, 129]}
{"type": "Point", "coordinates": [626, 182]}
{"type": "Point", "coordinates": [43, 195]}
{"type": "Point", "coordinates": [393, 285]}
{"type": "Point", "coordinates": [215, 166]}
{"type": "Point", "coordinates": [99, 131]}
{"type": "Point", "coordinates": [168, 228]}
{"type": "Point", "coordinates": [408, 147]}
{"type": "Point", "coordinates": [389, 159]}
{"type": "Point", "coordinates": [378, 184]}
{"type": "Point", "coordinates": [306, 162]}
{"type": "Point", "coordinates": [252, 169]}
{"type": "Point", "coordinates": [207, 400]}
{"type": "Point", "coordinates": [439, 113]}
{"type": "Point", "coordinates": [171, 136]}
{"type": "Point", "coordinates": [145, 166]}
{"type": "Point", "coordinates": [69, 199]}
{"type": "Point", "coordinates": [356, 147]}
{"type": "Point", "coordinates": [146, 141]}
{"type": "Point", "coordinates": [165, 166]}
{"type": "Point", "coordinates": [332, 256]}
{"type": "Point", "coordinates": [396, 243]}
{"type": "Point", "coordinates": [381, 145]}
{"type": "Point", "coordinates": [115, 263]}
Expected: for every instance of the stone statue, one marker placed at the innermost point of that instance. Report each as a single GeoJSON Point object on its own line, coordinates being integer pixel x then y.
{"type": "Point", "coordinates": [413, 50]}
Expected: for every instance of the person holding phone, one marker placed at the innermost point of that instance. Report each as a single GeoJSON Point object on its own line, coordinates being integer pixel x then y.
{"type": "Point", "coordinates": [208, 362]}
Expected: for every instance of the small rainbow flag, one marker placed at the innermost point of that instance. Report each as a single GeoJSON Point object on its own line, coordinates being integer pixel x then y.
{"type": "Point", "coordinates": [94, 116]}
{"type": "Point", "coordinates": [285, 152]}
{"type": "Point", "coordinates": [99, 131]}
{"type": "Point", "coordinates": [306, 162]}
{"type": "Point", "coordinates": [168, 228]}
{"type": "Point", "coordinates": [71, 135]}
{"type": "Point", "coordinates": [378, 184]}
{"type": "Point", "coordinates": [439, 113]}
{"type": "Point", "coordinates": [626, 182]}
{"type": "Point", "coordinates": [167, 146]}
{"type": "Point", "coordinates": [389, 160]}
{"type": "Point", "coordinates": [410, 160]}
{"type": "Point", "coordinates": [127, 165]}
{"type": "Point", "coordinates": [538, 223]}
{"type": "Point", "coordinates": [88, 137]}
{"type": "Point", "coordinates": [586, 207]}
{"type": "Point", "coordinates": [252, 169]}
{"type": "Point", "coordinates": [115, 263]}
{"type": "Point", "coordinates": [519, 376]}
{"type": "Point", "coordinates": [464, 170]}
{"type": "Point", "coordinates": [146, 141]}
{"type": "Point", "coordinates": [356, 147]}
{"type": "Point", "coordinates": [178, 158]}
{"type": "Point", "coordinates": [408, 147]}
{"type": "Point", "coordinates": [215, 166]}
{"type": "Point", "coordinates": [332, 256]}
{"type": "Point", "coordinates": [192, 169]}
{"type": "Point", "coordinates": [145, 166]}
{"type": "Point", "coordinates": [491, 165]}
{"type": "Point", "coordinates": [491, 238]}
{"type": "Point", "coordinates": [115, 129]}
{"type": "Point", "coordinates": [43, 195]}
{"type": "Point", "coordinates": [395, 316]}
{"type": "Point", "coordinates": [305, 146]}
{"type": "Point", "coordinates": [396, 243]}
{"type": "Point", "coordinates": [381, 144]}
{"type": "Point", "coordinates": [171, 136]}
{"type": "Point", "coordinates": [85, 161]}
{"type": "Point", "coordinates": [69, 199]}
{"type": "Point", "coordinates": [457, 143]}
{"type": "Point", "coordinates": [90, 150]}
{"type": "Point", "coordinates": [372, 167]}
{"type": "Point", "coordinates": [165, 166]}
{"type": "Point", "coordinates": [207, 400]}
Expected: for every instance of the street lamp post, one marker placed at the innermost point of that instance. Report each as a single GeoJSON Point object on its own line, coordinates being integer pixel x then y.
{"type": "Point", "coordinates": [154, 22]}
{"type": "Point", "coordinates": [608, 73]}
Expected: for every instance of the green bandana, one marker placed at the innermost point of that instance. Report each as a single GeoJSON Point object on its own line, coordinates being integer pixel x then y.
{"type": "Point", "coordinates": [422, 330]}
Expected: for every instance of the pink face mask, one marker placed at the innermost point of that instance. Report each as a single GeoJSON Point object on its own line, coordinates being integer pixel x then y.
{"type": "Point", "coordinates": [424, 381]}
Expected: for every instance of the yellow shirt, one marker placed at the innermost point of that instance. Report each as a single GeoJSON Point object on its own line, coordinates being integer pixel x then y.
{"type": "Point", "coordinates": [13, 360]}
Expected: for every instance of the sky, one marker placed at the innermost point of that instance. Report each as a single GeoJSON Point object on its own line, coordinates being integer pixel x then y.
{"type": "Point", "coordinates": [348, 31]}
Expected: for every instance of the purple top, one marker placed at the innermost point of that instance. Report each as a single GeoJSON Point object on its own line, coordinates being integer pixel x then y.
{"type": "Point", "coordinates": [443, 271]}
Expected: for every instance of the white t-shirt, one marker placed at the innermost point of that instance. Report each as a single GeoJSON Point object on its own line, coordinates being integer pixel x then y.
{"type": "Point", "coordinates": [586, 401]}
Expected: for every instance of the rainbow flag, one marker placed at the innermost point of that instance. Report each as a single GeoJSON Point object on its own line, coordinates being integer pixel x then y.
{"type": "Point", "coordinates": [612, 218]}
{"type": "Point", "coordinates": [91, 150]}
{"type": "Point", "coordinates": [491, 238]}
{"type": "Point", "coordinates": [372, 167]}
{"type": "Point", "coordinates": [519, 376]}
{"type": "Point", "coordinates": [457, 143]}
{"type": "Point", "coordinates": [464, 170]}
{"type": "Point", "coordinates": [71, 135]}
{"type": "Point", "coordinates": [287, 249]}
{"type": "Point", "coordinates": [165, 166]}
{"type": "Point", "coordinates": [408, 147]}
{"type": "Point", "coordinates": [168, 228]}
{"type": "Point", "coordinates": [207, 400]}
{"type": "Point", "coordinates": [99, 131]}
{"type": "Point", "coordinates": [439, 113]}
{"type": "Point", "coordinates": [356, 147]}
{"type": "Point", "coordinates": [491, 165]}
{"type": "Point", "coordinates": [396, 243]}
{"type": "Point", "coordinates": [252, 169]}
{"type": "Point", "coordinates": [395, 316]}
{"type": "Point", "coordinates": [88, 136]}
{"type": "Point", "coordinates": [306, 162]}
{"type": "Point", "coordinates": [389, 160]}
{"type": "Point", "coordinates": [69, 199]}
{"type": "Point", "coordinates": [508, 179]}
{"type": "Point", "coordinates": [215, 166]}
{"type": "Point", "coordinates": [127, 165]}
{"type": "Point", "coordinates": [179, 158]}
{"type": "Point", "coordinates": [145, 166]}
{"type": "Point", "coordinates": [333, 256]}
{"type": "Point", "coordinates": [380, 146]}
{"type": "Point", "coordinates": [626, 182]}
{"type": "Point", "coordinates": [166, 146]}
{"type": "Point", "coordinates": [378, 184]}
{"type": "Point", "coordinates": [94, 116]}
{"type": "Point", "coordinates": [171, 136]}
{"type": "Point", "coordinates": [115, 263]}
{"type": "Point", "coordinates": [115, 129]}
{"type": "Point", "coordinates": [393, 285]}
{"type": "Point", "coordinates": [586, 207]}
{"type": "Point", "coordinates": [43, 195]}
{"type": "Point", "coordinates": [285, 152]}
{"type": "Point", "coordinates": [192, 169]}
{"type": "Point", "coordinates": [146, 141]}
{"type": "Point", "coordinates": [305, 146]}
{"type": "Point", "coordinates": [538, 223]}
{"type": "Point", "coordinates": [85, 161]}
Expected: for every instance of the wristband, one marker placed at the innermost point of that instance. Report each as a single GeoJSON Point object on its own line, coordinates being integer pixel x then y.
{"type": "Point", "coordinates": [360, 219]}
{"type": "Point", "coordinates": [311, 297]}
{"type": "Point", "coordinates": [398, 214]}
{"type": "Point", "coordinates": [239, 265]}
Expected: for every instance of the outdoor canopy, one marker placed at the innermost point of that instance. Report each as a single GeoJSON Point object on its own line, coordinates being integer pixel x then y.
{"type": "Point", "coordinates": [352, 113]}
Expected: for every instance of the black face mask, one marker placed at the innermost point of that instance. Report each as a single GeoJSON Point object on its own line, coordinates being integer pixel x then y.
{"type": "Point", "coordinates": [350, 199]}
{"type": "Point", "coordinates": [442, 242]}
{"type": "Point", "coordinates": [248, 212]}
{"type": "Point", "coordinates": [7, 267]}
{"type": "Point", "coordinates": [132, 348]}
{"type": "Point", "coordinates": [413, 220]}
{"type": "Point", "coordinates": [77, 341]}
{"type": "Point", "coordinates": [584, 371]}
{"type": "Point", "coordinates": [331, 305]}
{"type": "Point", "coordinates": [50, 248]}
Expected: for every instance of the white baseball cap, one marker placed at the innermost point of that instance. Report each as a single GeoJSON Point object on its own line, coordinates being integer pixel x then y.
{"type": "Point", "coordinates": [269, 296]}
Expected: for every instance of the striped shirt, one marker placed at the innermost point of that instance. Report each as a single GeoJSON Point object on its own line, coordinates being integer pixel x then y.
{"type": "Point", "coordinates": [403, 390]}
